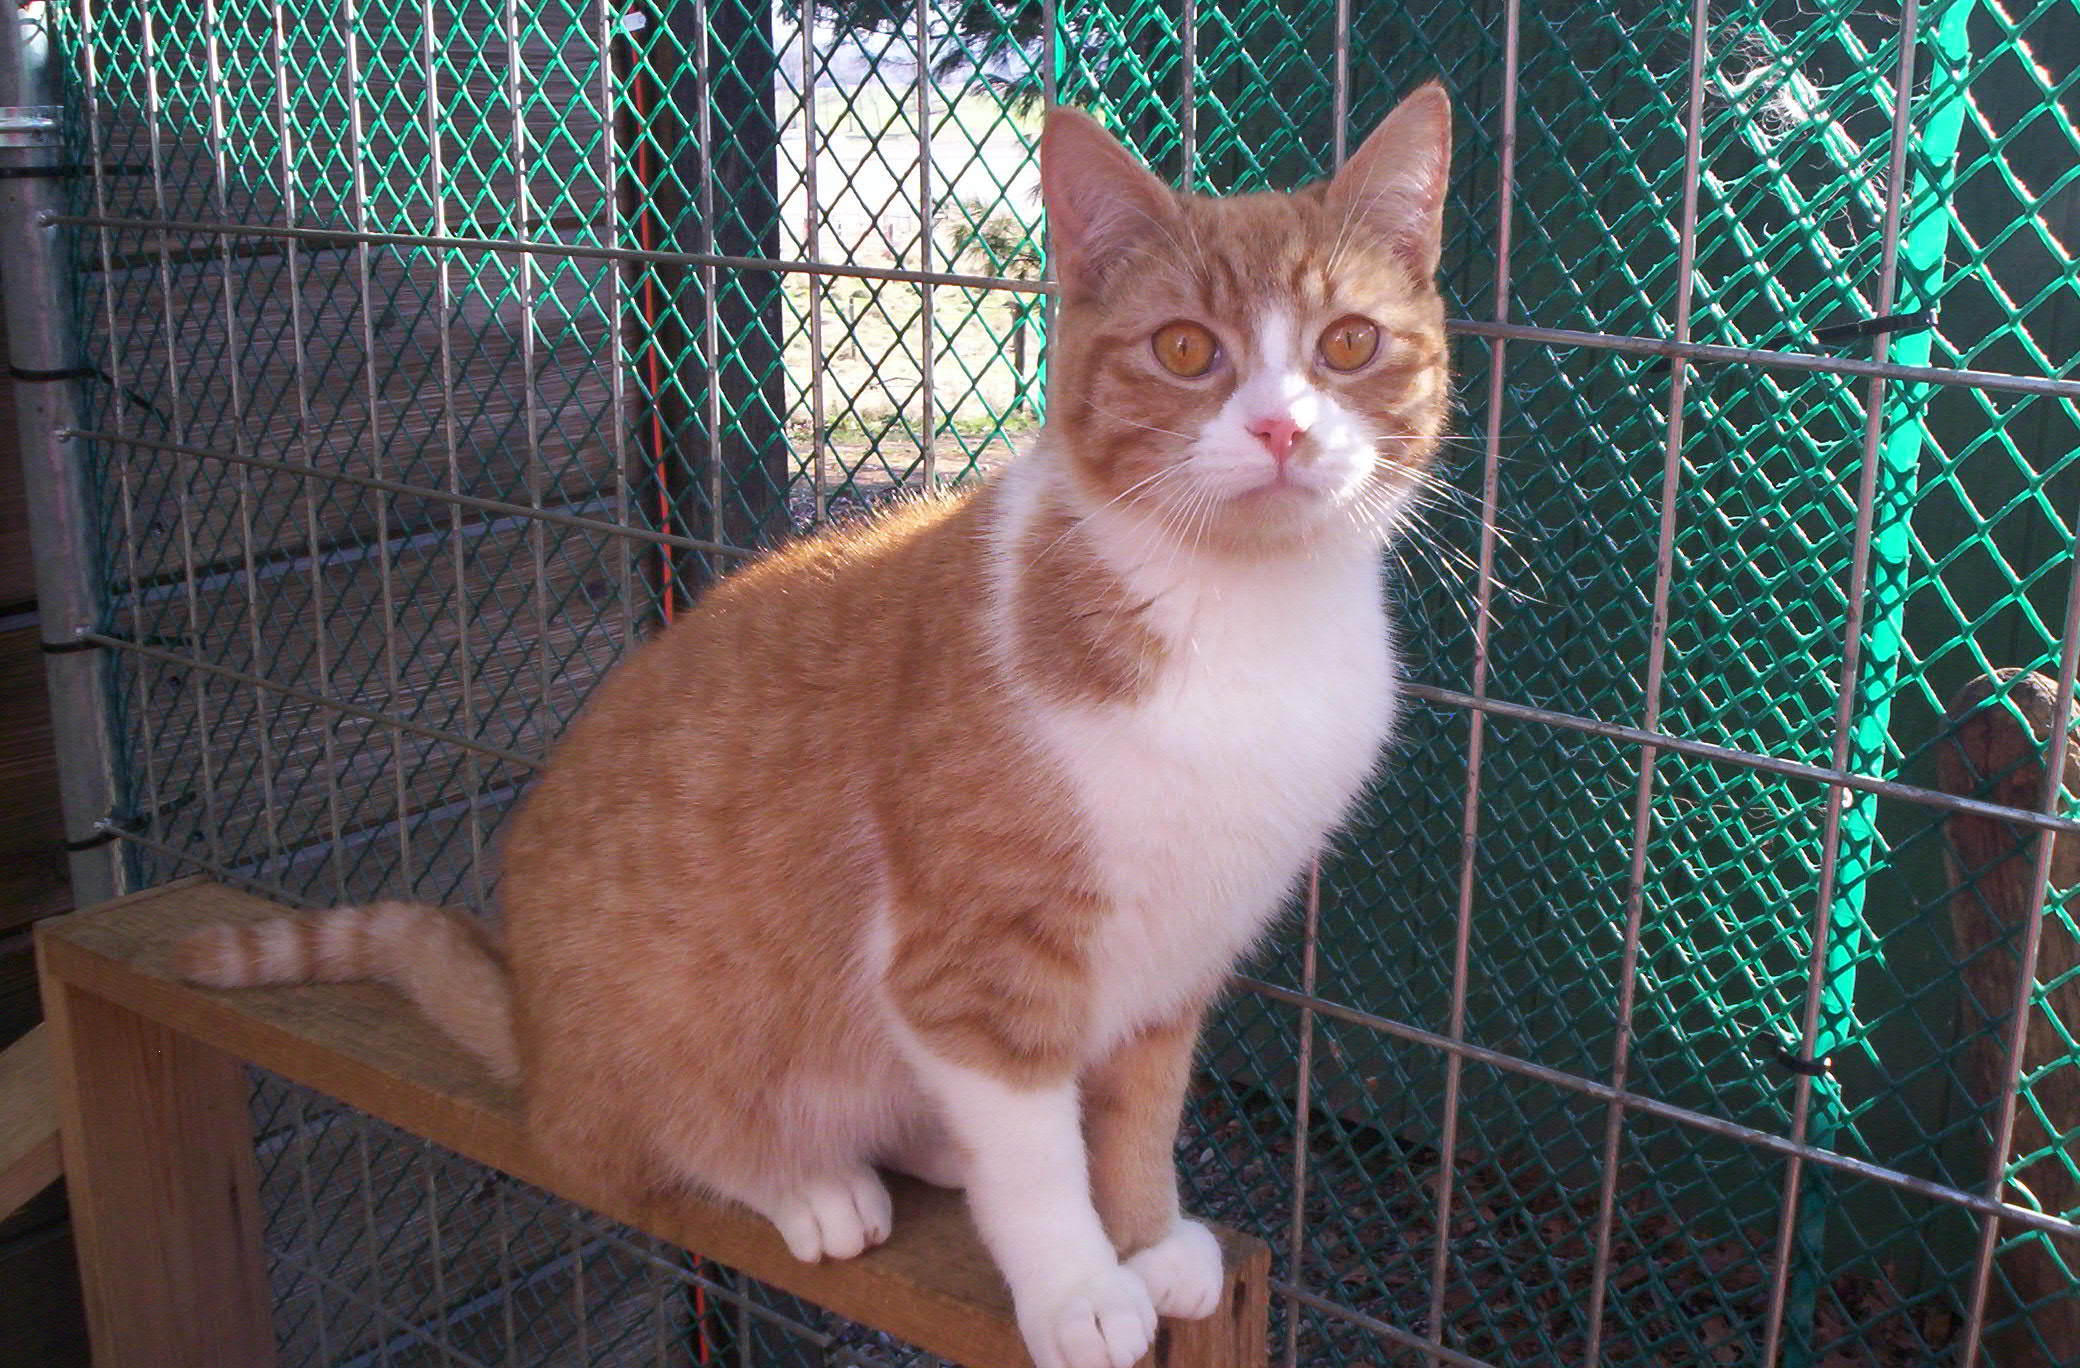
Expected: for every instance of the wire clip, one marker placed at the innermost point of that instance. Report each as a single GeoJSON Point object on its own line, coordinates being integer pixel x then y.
{"type": "Point", "coordinates": [1788, 1059]}
{"type": "Point", "coordinates": [117, 825]}
{"type": "Point", "coordinates": [29, 125]}
{"type": "Point", "coordinates": [29, 376]}
{"type": "Point", "coordinates": [1921, 320]}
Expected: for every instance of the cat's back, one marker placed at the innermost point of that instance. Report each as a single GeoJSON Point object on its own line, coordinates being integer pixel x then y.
{"type": "Point", "coordinates": [745, 721]}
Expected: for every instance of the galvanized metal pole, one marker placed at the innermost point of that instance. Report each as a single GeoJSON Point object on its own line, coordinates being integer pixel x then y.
{"type": "Point", "coordinates": [43, 359]}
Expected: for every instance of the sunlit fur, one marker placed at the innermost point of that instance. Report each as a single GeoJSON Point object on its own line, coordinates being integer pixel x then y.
{"type": "Point", "coordinates": [925, 843]}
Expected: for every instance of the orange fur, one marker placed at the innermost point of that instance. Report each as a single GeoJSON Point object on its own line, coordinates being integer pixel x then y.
{"type": "Point", "coordinates": [716, 818]}
{"type": "Point", "coordinates": [443, 960]}
{"type": "Point", "coordinates": [1131, 1102]}
{"type": "Point", "coordinates": [817, 797]}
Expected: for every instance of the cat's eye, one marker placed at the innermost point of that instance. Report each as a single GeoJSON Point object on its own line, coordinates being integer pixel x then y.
{"type": "Point", "coordinates": [1349, 342]}
{"type": "Point", "coordinates": [1185, 349]}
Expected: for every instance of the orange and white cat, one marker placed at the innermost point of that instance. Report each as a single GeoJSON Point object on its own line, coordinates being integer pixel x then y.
{"type": "Point", "coordinates": [924, 844]}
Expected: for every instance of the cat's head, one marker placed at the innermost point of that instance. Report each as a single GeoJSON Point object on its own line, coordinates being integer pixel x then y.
{"type": "Point", "coordinates": [1255, 371]}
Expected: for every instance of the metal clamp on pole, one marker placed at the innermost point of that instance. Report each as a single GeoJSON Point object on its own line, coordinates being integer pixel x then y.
{"type": "Point", "coordinates": [28, 125]}
{"type": "Point", "coordinates": [44, 361]}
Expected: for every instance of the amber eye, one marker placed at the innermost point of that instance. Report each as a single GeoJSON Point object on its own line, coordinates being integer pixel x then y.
{"type": "Point", "coordinates": [1185, 349]}
{"type": "Point", "coordinates": [1349, 342]}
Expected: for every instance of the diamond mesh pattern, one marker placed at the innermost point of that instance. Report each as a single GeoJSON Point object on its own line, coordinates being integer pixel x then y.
{"type": "Point", "coordinates": [386, 1250]}
{"type": "Point", "coordinates": [378, 513]}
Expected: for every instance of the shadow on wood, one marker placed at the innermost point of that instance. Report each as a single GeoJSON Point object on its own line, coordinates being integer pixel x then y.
{"type": "Point", "coordinates": [1993, 868]}
{"type": "Point", "coordinates": [931, 1284]}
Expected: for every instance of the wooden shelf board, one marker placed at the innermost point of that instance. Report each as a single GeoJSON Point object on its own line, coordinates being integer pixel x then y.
{"type": "Point", "coordinates": [931, 1284]}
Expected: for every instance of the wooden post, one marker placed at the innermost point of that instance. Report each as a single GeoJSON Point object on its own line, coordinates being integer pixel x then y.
{"type": "Point", "coordinates": [165, 1206]}
{"type": "Point", "coordinates": [1992, 874]}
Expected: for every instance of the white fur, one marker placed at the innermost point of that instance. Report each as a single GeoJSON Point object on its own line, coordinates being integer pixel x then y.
{"type": "Point", "coordinates": [1277, 380]}
{"type": "Point", "coordinates": [278, 952]}
{"type": "Point", "coordinates": [1182, 1271]}
{"type": "Point", "coordinates": [1028, 1183]}
{"type": "Point", "coordinates": [336, 938]}
{"type": "Point", "coordinates": [1206, 799]}
{"type": "Point", "coordinates": [832, 1218]}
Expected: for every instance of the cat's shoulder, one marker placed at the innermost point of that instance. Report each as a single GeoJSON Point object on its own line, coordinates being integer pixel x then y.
{"type": "Point", "coordinates": [909, 525]}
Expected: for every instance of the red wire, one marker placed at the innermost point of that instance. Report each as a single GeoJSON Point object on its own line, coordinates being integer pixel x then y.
{"type": "Point", "coordinates": [646, 238]}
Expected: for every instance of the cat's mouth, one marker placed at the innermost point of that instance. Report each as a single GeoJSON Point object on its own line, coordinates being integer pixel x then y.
{"type": "Point", "coordinates": [1274, 488]}
{"type": "Point", "coordinates": [1298, 486]}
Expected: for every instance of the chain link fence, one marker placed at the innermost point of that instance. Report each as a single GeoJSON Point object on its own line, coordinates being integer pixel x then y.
{"type": "Point", "coordinates": [1654, 1011]}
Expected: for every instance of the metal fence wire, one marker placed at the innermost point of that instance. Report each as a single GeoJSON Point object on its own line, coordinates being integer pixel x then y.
{"type": "Point", "coordinates": [435, 351]}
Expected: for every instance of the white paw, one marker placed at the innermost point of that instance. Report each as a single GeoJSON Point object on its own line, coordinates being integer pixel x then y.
{"type": "Point", "coordinates": [833, 1218]}
{"type": "Point", "coordinates": [1104, 1321]}
{"type": "Point", "coordinates": [1182, 1271]}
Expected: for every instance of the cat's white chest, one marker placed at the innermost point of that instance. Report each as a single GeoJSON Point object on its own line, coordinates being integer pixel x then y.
{"type": "Point", "coordinates": [1205, 799]}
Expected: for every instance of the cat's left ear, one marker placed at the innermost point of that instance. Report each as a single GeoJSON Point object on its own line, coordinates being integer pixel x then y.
{"type": "Point", "coordinates": [1396, 180]}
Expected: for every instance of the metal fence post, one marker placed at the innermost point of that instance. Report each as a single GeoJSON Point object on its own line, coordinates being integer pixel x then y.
{"type": "Point", "coordinates": [44, 362]}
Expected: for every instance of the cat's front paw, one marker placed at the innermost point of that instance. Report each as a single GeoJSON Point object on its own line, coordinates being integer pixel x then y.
{"type": "Point", "coordinates": [1104, 1321]}
{"type": "Point", "coordinates": [1182, 1271]}
{"type": "Point", "coordinates": [833, 1218]}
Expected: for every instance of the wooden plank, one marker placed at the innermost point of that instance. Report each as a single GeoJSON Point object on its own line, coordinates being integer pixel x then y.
{"type": "Point", "coordinates": [931, 1284]}
{"type": "Point", "coordinates": [1993, 877]}
{"type": "Point", "coordinates": [29, 1160]}
{"type": "Point", "coordinates": [165, 1203]}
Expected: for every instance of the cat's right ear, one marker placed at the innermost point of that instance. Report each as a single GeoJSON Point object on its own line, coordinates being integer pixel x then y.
{"type": "Point", "coordinates": [1101, 203]}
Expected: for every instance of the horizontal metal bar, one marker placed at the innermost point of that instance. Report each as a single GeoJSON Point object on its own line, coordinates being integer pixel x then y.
{"type": "Point", "coordinates": [215, 253]}
{"type": "Point", "coordinates": [1431, 693]}
{"type": "Point", "coordinates": [204, 863]}
{"type": "Point", "coordinates": [344, 237]}
{"type": "Point", "coordinates": [1376, 1326]}
{"type": "Point", "coordinates": [220, 575]}
{"type": "Point", "coordinates": [370, 832]}
{"type": "Point", "coordinates": [499, 506]}
{"type": "Point", "coordinates": [1451, 697]}
{"type": "Point", "coordinates": [1557, 337]}
{"type": "Point", "coordinates": [1666, 1111]}
{"type": "Point", "coordinates": [307, 696]}
{"type": "Point", "coordinates": [1705, 750]}
{"type": "Point", "coordinates": [1772, 360]}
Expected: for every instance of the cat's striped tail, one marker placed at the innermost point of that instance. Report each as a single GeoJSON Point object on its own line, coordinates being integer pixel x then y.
{"type": "Point", "coordinates": [442, 960]}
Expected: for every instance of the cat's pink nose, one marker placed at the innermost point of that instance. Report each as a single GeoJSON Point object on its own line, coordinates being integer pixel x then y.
{"type": "Point", "coordinates": [1278, 434]}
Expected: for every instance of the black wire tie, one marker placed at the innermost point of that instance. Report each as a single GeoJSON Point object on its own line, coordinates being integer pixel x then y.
{"type": "Point", "coordinates": [1795, 1063]}
{"type": "Point", "coordinates": [34, 377]}
{"type": "Point", "coordinates": [1921, 320]}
